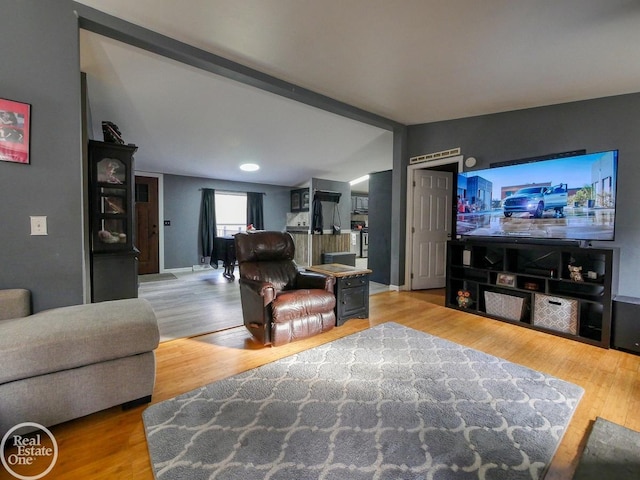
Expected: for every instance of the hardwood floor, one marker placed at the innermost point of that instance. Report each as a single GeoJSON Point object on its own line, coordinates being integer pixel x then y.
{"type": "Point", "coordinates": [111, 444]}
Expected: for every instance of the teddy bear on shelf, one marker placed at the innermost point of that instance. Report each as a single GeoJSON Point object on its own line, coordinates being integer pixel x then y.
{"type": "Point", "coordinates": [464, 299]}
{"type": "Point", "coordinates": [575, 273]}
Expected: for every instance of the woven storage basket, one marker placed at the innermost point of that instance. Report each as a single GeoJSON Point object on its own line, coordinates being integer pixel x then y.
{"type": "Point", "coordinates": [556, 313]}
{"type": "Point", "coordinates": [505, 306]}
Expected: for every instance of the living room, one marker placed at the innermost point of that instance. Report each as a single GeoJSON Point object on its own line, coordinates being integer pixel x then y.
{"type": "Point", "coordinates": [44, 72]}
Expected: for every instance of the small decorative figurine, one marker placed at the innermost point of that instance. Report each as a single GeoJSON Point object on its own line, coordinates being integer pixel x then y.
{"type": "Point", "coordinates": [575, 273]}
{"type": "Point", "coordinates": [464, 298]}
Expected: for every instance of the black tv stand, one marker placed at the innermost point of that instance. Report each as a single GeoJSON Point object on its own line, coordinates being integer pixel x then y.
{"type": "Point", "coordinates": [529, 284]}
{"type": "Point", "coordinates": [529, 241]}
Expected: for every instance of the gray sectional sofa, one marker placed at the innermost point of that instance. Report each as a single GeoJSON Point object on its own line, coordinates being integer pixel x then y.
{"type": "Point", "coordinates": [68, 362]}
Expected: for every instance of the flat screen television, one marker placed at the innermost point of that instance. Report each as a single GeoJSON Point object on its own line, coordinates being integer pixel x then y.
{"type": "Point", "coordinates": [567, 198]}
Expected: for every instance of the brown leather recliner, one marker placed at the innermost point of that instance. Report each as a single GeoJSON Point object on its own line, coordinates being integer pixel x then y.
{"type": "Point", "coordinates": [281, 304]}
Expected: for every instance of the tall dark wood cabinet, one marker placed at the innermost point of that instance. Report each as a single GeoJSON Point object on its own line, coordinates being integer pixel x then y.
{"type": "Point", "coordinates": [114, 270]}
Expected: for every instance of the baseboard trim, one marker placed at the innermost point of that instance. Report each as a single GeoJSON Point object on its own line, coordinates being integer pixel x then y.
{"type": "Point", "coordinates": [178, 270]}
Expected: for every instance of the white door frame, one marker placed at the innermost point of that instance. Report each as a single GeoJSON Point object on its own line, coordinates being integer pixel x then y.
{"type": "Point", "coordinates": [160, 178]}
{"type": "Point", "coordinates": [408, 261]}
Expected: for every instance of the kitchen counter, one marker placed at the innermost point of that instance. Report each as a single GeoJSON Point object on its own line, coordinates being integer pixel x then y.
{"type": "Point", "coordinates": [298, 229]}
{"type": "Point", "coordinates": [310, 247]}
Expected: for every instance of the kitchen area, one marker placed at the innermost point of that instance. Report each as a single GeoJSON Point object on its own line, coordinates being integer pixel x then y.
{"type": "Point", "coordinates": [329, 224]}
{"type": "Point", "coordinates": [360, 225]}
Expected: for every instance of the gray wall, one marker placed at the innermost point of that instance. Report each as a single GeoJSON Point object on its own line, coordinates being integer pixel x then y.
{"type": "Point", "coordinates": [398, 206]}
{"type": "Point", "coordinates": [182, 197]}
{"type": "Point", "coordinates": [40, 66]}
{"type": "Point", "coordinates": [594, 125]}
{"type": "Point", "coordinates": [380, 216]}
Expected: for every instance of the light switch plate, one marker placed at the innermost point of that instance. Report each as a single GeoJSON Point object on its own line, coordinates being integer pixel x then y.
{"type": "Point", "coordinates": [39, 225]}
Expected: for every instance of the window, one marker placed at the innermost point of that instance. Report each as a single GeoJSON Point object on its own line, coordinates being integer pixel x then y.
{"type": "Point", "coordinates": [231, 213]}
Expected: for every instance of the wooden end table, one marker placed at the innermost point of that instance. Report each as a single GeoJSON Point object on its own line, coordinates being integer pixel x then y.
{"type": "Point", "coordinates": [351, 290]}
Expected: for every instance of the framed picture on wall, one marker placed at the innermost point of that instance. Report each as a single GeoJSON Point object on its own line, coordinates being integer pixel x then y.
{"type": "Point", "coordinates": [15, 118]}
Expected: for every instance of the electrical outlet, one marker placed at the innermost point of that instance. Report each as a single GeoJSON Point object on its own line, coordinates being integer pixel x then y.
{"type": "Point", "coordinates": [39, 225]}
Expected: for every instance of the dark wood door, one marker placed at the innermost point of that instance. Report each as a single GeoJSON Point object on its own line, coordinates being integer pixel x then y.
{"type": "Point", "coordinates": [147, 240]}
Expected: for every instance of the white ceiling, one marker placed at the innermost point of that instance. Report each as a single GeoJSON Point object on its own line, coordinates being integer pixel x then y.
{"type": "Point", "coordinates": [412, 61]}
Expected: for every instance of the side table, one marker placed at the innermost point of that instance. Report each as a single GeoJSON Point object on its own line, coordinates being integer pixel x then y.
{"type": "Point", "coordinates": [351, 290]}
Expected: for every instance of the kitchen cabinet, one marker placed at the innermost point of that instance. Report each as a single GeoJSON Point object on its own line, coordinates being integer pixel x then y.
{"type": "Point", "coordinates": [300, 200]}
{"type": "Point", "coordinates": [359, 203]}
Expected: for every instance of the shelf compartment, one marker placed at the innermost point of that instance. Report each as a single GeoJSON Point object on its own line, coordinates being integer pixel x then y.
{"type": "Point", "coordinates": [581, 290]}
{"type": "Point", "coordinates": [541, 263]}
{"type": "Point", "coordinates": [111, 171]}
{"type": "Point", "coordinates": [555, 313]}
{"type": "Point", "coordinates": [533, 284]}
{"type": "Point", "coordinates": [488, 258]}
{"type": "Point", "coordinates": [463, 285]}
{"type": "Point", "coordinates": [113, 231]}
{"type": "Point", "coordinates": [468, 273]}
{"type": "Point", "coordinates": [589, 261]}
{"type": "Point", "coordinates": [591, 315]}
{"type": "Point", "coordinates": [113, 201]}
{"type": "Point", "coordinates": [512, 306]}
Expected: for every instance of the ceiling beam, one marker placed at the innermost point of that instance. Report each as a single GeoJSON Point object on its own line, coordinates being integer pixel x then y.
{"type": "Point", "coordinates": [109, 26]}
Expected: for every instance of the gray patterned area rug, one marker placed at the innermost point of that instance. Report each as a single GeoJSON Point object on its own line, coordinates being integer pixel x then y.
{"type": "Point", "coordinates": [385, 403]}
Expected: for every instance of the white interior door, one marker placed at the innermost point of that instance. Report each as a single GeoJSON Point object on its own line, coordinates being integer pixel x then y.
{"type": "Point", "coordinates": [432, 201]}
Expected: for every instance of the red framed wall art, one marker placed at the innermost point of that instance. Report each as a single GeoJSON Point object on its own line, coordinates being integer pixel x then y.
{"type": "Point", "coordinates": [15, 118]}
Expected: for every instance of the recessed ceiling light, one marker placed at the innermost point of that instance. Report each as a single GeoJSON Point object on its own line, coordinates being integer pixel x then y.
{"type": "Point", "coordinates": [249, 167]}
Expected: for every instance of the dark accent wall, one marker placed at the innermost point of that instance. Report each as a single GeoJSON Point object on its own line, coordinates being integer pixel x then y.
{"type": "Point", "coordinates": [399, 205]}
{"type": "Point", "coordinates": [40, 66]}
{"type": "Point", "coordinates": [594, 125]}
{"type": "Point", "coordinates": [380, 215]}
{"type": "Point", "coordinates": [182, 198]}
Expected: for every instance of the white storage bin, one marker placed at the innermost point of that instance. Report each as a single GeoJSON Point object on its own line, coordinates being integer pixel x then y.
{"type": "Point", "coordinates": [505, 306]}
{"type": "Point", "coordinates": [556, 313]}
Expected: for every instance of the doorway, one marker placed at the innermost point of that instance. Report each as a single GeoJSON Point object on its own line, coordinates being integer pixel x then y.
{"type": "Point", "coordinates": [147, 228]}
{"type": "Point", "coordinates": [430, 220]}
